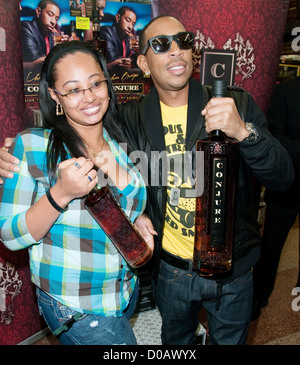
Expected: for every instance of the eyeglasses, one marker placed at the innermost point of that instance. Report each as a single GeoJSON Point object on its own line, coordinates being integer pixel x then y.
{"type": "Point", "coordinates": [162, 43]}
{"type": "Point", "coordinates": [76, 94]}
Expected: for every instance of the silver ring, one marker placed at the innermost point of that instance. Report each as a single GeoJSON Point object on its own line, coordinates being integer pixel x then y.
{"type": "Point", "coordinates": [77, 164]}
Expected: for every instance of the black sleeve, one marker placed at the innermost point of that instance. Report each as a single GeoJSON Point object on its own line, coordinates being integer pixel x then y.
{"type": "Point", "coordinates": [268, 159]}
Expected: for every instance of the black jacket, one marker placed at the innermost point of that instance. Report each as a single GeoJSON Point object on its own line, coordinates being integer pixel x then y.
{"type": "Point", "coordinates": [264, 158]}
{"type": "Point", "coordinates": [33, 41]}
{"type": "Point", "coordinates": [113, 38]}
{"type": "Point", "coordinates": [284, 122]}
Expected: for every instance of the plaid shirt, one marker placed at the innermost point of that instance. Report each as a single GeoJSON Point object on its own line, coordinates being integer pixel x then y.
{"type": "Point", "coordinates": [75, 262]}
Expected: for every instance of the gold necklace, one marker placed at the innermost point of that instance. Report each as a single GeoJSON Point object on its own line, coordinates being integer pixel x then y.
{"type": "Point", "coordinates": [96, 154]}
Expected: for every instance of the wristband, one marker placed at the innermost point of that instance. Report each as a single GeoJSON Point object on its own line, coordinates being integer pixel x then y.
{"type": "Point", "coordinates": [54, 204]}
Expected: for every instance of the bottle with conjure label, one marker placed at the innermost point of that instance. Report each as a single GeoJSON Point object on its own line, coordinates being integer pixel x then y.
{"type": "Point", "coordinates": [215, 208]}
{"type": "Point", "coordinates": [103, 207]}
{"type": "Point", "coordinates": [83, 8]}
{"type": "Point", "coordinates": [98, 43]}
{"type": "Point", "coordinates": [73, 36]}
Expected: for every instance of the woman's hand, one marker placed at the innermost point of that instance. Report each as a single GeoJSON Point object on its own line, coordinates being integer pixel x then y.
{"type": "Point", "coordinates": [145, 227]}
{"type": "Point", "coordinates": [76, 178]}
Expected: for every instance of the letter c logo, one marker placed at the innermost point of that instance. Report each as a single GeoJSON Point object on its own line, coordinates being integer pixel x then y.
{"type": "Point", "coordinates": [214, 70]}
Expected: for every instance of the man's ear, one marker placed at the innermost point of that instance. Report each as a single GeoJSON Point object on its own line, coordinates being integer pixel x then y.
{"type": "Point", "coordinates": [143, 64]}
{"type": "Point", "coordinates": [118, 17]}
{"type": "Point", "coordinates": [38, 11]}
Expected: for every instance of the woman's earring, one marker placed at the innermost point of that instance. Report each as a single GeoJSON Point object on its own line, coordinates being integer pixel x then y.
{"type": "Point", "coordinates": [146, 74]}
{"type": "Point", "coordinates": [59, 109]}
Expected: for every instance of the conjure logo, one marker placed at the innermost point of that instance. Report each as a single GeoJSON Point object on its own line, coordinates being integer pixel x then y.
{"type": "Point", "coordinates": [245, 58]}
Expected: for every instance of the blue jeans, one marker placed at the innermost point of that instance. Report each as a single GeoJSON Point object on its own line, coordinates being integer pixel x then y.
{"type": "Point", "coordinates": [90, 329]}
{"type": "Point", "coordinates": [180, 294]}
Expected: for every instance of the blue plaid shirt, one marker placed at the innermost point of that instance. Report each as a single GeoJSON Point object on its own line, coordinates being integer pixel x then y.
{"type": "Point", "coordinates": [75, 262]}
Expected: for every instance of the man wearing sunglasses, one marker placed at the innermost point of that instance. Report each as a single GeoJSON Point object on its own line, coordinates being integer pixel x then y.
{"type": "Point", "coordinates": [171, 118]}
{"type": "Point", "coordinates": [176, 113]}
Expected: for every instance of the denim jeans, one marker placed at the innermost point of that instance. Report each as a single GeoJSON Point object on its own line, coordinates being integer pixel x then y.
{"type": "Point", "coordinates": [89, 329]}
{"type": "Point", "coordinates": [180, 294]}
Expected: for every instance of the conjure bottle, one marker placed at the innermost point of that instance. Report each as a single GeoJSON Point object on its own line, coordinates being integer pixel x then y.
{"type": "Point", "coordinates": [103, 207]}
{"type": "Point", "coordinates": [215, 208]}
{"type": "Point", "coordinates": [73, 36]}
{"type": "Point", "coordinates": [83, 8]}
{"type": "Point", "coordinates": [98, 43]}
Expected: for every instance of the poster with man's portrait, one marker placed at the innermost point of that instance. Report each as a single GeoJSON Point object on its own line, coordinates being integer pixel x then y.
{"type": "Point", "coordinates": [43, 24]}
{"type": "Point", "coordinates": [120, 29]}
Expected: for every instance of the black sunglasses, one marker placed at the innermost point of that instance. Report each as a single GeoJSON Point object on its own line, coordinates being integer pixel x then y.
{"type": "Point", "coordinates": [162, 43]}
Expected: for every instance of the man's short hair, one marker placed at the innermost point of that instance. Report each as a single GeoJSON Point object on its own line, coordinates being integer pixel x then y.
{"type": "Point", "coordinates": [123, 10]}
{"type": "Point", "coordinates": [43, 4]}
{"type": "Point", "coordinates": [142, 39]}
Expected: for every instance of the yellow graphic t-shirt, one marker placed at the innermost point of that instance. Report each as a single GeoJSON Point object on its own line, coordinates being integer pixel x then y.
{"type": "Point", "coordinates": [178, 236]}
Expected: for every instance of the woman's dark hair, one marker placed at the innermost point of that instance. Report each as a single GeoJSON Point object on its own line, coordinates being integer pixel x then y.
{"type": "Point", "coordinates": [63, 137]}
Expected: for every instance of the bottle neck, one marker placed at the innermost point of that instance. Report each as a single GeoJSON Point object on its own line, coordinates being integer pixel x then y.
{"type": "Point", "coordinates": [95, 190]}
{"type": "Point", "coordinates": [217, 135]}
{"type": "Point", "coordinates": [96, 27]}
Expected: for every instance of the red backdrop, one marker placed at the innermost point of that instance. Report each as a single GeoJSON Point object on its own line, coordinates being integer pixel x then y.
{"type": "Point", "coordinates": [19, 317]}
{"type": "Point", "coordinates": [12, 104]}
{"type": "Point", "coordinates": [254, 28]}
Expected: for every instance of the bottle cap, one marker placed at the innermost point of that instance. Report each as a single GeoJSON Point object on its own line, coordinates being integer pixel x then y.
{"type": "Point", "coordinates": [219, 88]}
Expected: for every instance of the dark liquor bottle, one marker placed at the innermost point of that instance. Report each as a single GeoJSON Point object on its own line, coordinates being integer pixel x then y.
{"type": "Point", "coordinates": [73, 36]}
{"type": "Point", "coordinates": [98, 43]}
{"type": "Point", "coordinates": [215, 208]}
{"type": "Point", "coordinates": [83, 8]}
{"type": "Point", "coordinates": [111, 218]}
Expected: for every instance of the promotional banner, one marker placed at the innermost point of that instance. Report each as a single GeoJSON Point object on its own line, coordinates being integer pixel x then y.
{"type": "Point", "coordinates": [12, 104]}
{"type": "Point", "coordinates": [104, 28]}
{"type": "Point", "coordinates": [34, 46]}
{"type": "Point", "coordinates": [19, 317]}
{"type": "Point", "coordinates": [129, 81]}
{"type": "Point", "coordinates": [253, 28]}
{"type": "Point", "coordinates": [19, 314]}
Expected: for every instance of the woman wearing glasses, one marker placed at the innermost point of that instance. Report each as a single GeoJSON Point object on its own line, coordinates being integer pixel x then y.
{"type": "Point", "coordinates": [86, 290]}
